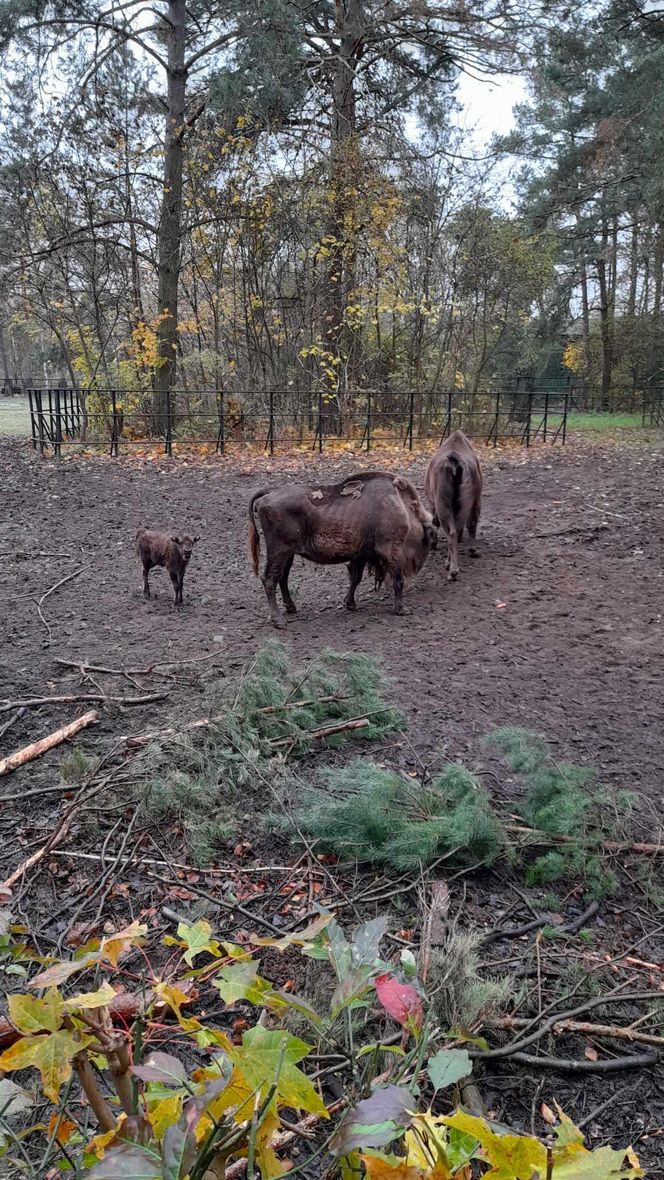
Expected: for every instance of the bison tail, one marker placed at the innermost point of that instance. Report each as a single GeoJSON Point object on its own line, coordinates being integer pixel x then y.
{"type": "Point", "coordinates": [378, 571]}
{"type": "Point", "coordinates": [454, 474]}
{"type": "Point", "coordinates": [253, 536]}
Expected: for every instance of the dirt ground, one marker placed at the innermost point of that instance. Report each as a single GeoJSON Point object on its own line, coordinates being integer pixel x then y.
{"type": "Point", "coordinates": [558, 627]}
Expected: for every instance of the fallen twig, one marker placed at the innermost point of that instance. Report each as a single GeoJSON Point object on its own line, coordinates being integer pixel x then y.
{"type": "Point", "coordinates": [536, 836]}
{"type": "Point", "coordinates": [612, 1031]}
{"type": "Point", "coordinates": [570, 1065]}
{"type": "Point", "coordinates": [514, 1049]}
{"type": "Point", "coordinates": [52, 589]}
{"type": "Point", "coordinates": [36, 749]}
{"type": "Point", "coordinates": [58, 835]}
{"type": "Point", "coordinates": [12, 721]}
{"type": "Point", "coordinates": [538, 923]}
{"type": "Point", "coordinates": [70, 698]}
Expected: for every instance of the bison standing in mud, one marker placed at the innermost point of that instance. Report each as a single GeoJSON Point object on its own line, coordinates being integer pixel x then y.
{"type": "Point", "coordinates": [373, 519]}
{"type": "Point", "coordinates": [453, 487]}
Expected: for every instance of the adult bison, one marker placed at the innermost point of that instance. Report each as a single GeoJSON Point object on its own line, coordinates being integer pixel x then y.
{"type": "Point", "coordinates": [373, 519]}
{"type": "Point", "coordinates": [453, 487]}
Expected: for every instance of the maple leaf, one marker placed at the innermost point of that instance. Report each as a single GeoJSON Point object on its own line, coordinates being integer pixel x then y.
{"type": "Point", "coordinates": [85, 1001]}
{"type": "Point", "coordinates": [50, 1053]}
{"type": "Point", "coordinates": [264, 1054]}
{"type": "Point", "coordinates": [512, 1157]}
{"type": "Point", "coordinates": [197, 938]}
{"type": "Point", "coordinates": [30, 1015]}
{"type": "Point", "coordinates": [175, 997]}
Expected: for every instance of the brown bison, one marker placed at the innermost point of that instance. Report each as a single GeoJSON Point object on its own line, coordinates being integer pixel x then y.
{"type": "Point", "coordinates": [453, 487]}
{"type": "Point", "coordinates": [373, 519]}
{"type": "Point", "coordinates": [173, 552]}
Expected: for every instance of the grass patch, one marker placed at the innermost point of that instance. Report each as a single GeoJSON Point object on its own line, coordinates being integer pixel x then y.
{"type": "Point", "coordinates": [599, 421]}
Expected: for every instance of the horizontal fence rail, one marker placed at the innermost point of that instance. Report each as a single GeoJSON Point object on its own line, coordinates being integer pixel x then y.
{"type": "Point", "coordinates": [280, 418]}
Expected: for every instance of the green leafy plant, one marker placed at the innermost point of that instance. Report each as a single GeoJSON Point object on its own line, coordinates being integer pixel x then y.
{"type": "Point", "coordinates": [187, 1101]}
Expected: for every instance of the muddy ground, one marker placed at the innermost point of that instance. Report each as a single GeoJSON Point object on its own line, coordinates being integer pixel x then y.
{"type": "Point", "coordinates": [558, 627]}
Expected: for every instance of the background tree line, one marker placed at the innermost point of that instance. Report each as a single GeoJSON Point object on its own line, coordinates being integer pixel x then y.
{"type": "Point", "coordinates": [276, 193]}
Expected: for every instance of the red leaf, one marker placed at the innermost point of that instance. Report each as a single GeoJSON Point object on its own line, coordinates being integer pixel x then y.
{"type": "Point", "coordinates": [401, 1001]}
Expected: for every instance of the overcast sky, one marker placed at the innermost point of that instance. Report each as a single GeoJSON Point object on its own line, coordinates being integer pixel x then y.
{"type": "Point", "coordinates": [488, 104]}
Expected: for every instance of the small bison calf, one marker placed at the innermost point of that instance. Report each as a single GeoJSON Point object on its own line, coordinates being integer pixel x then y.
{"type": "Point", "coordinates": [174, 553]}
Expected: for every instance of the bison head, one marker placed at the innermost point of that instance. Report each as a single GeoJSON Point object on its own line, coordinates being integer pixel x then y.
{"type": "Point", "coordinates": [185, 544]}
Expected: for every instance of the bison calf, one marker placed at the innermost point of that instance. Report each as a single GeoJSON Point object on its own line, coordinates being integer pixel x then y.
{"type": "Point", "coordinates": [453, 487]}
{"type": "Point", "coordinates": [173, 552]}
{"type": "Point", "coordinates": [373, 519]}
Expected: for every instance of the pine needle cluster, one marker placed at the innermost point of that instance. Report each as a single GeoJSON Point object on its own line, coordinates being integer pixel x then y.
{"type": "Point", "coordinates": [565, 801]}
{"type": "Point", "coordinates": [267, 716]}
{"type": "Point", "coordinates": [376, 815]}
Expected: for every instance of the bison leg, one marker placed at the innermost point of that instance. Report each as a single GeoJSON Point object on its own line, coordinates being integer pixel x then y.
{"type": "Point", "coordinates": [397, 582]}
{"type": "Point", "coordinates": [274, 572]}
{"type": "Point", "coordinates": [175, 582]}
{"type": "Point", "coordinates": [355, 571]}
{"type": "Point", "coordinates": [146, 584]}
{"type": "Point", "coordinates": [290, 606]}
{"type": "Point", "coordinates": [181, 583]}
{"type": "Point", "coordinates": [452, 563]}
{"type": "Point", "coordinates": [472, 530]}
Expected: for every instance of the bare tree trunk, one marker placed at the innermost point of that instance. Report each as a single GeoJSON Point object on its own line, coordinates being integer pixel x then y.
{"type": "Point", "coordinates": [341, 338]}
{"type": "Point", "coordinates": [633, 270]}
{"type": "Point", "coordinates": [169, 241]}
{"type": "Point", "coordinates": [605, 316]}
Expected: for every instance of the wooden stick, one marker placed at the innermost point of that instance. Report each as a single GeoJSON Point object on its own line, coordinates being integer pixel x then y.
{"type": "Point", "coordinates": [36, 749]}
{"type": "Point", "coordinates": [142, 739]}
{"type": "Point", "coordinates": [612, 1031]}
{"type": "Point", "coordinates": [52, 590]}
{"type": "Point", "coordinates": [544, 838]}
{"type": "Point", "coordinates": [57, 836]}
{"type": "Point", "coordinates": [70, 698]}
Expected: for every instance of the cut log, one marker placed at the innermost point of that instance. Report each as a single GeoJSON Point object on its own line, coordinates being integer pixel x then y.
{"type": "Point", "coordinates": [36, 749]}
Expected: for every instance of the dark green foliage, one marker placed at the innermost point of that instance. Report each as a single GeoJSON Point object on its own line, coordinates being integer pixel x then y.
{"type": "Point", "coordinates": [562, 800]}
{"type": "Point", "coordinates": [376, 815]}
{"type": "Point", "coordinates": [258, 722]}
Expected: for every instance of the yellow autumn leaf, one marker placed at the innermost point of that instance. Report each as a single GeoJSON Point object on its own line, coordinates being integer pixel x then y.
{"type": "Point", "coordinates": [30, 1015]}
{"type": "Point", "coordinates": [50, 1053]}
{"type": "Point", "coordinates": [174, 997]}
{"type": "Point", "coordinates": [89, 1000]}
{"type": "Point", "coordinates": [100, 1142]}
{"type": "Point", "coordinates": [163, 1112]}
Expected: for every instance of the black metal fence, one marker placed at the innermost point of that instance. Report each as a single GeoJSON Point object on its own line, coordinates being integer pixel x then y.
{"type": "Point", "coordinates": [281, 418]}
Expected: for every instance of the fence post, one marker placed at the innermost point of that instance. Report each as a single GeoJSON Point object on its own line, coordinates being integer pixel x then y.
{"type": "Point", "coordinates": [270, 433]}
{"type": "Point", "coordinates": [58, 425]}
{"type": "Point", "coordinates": [565, 418]}
{"type": "Point", "coordinates": [411, 414]}
{"type": "Point", "coordinates": [546, 413]}
{"type": "Point", "coordinates": [114, 425]}
{"type": "Point", "coordinates": [221, 439]}
{"type": "Point", "coordinates": [40, 420]}
{"type": "Point", "coordinates": [529, 418]}
{"type": "Point", "coordinates": [495, 428]}
{"type": "Point", "coordinates": [368, 420]}
{"type": "Point", "coordinates": [32, 421]}
{"type": "Point", "coordinates": [168, 448]}
{"type": "Point", "coordinates": [319, 428]}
